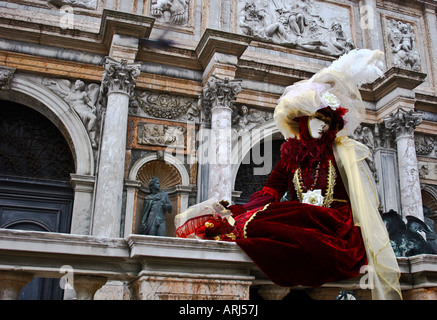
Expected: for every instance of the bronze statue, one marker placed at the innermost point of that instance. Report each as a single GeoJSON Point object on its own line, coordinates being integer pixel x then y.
{"type": "Point", "coordinates": [156, 205]}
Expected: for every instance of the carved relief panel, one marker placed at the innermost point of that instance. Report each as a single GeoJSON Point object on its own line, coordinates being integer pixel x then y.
{"type": "Point", "coordinates": [86, 4]}
{"type": "Point", "coordinates": [154, 134]}
{"type": "Point", "coordinates": [162, 135]}
{"type": "Point", "coordinates": [83, 99]}
{"type": "Point", "coordinates": [303, 24]}
{"type": "Point", "coordinates": [401, 44]}
{"type": "Point", "coordinates": [164, 106]}
{"type": "Point", "coordinates": [171, 11]}
{"type": "Point", "coordinates": [174, 14]}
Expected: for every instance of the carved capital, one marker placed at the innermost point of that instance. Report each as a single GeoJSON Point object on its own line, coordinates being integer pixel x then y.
{"type": "Point", "coordinates": [6, 75]}
{"type": "Point", "coordinates": [120, 76]}
{"type": "Point", "coordinates": [403, 123]}
{"type": "Point", "coordinates": [220, 92]}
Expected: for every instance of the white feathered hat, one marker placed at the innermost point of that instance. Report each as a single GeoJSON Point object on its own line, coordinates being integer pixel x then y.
{"type": "Point", "coordinates": [334, 86]}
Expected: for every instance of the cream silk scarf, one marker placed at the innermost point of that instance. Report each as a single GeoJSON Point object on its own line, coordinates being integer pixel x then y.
{"type": "Point", "coordinates": [383, 270]}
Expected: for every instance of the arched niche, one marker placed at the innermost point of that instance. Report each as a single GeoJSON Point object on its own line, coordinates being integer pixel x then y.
{"type": "Point", "coordinates": [174, 180]}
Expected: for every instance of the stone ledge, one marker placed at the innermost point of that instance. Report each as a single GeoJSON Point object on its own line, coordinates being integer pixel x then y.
{"type": "Point", "coordinates": [44, 254]}
{"type": "Point", "coordinates": [61, 243]}
{"type": "Point", "coordinates": [140, 257]}
{"type": "Point", "coordinates": [193, 249]}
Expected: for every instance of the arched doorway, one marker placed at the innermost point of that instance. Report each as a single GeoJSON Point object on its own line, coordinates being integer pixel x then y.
{"type": "Point", "coordinates": [249, 180]}
{"type": "Point", "coordinates": [35, 193]}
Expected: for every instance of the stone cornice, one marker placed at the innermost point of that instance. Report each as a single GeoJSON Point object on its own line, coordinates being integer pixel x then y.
{"type": "Point", "coordinates": [215, 41]}
{"type": "Point", "coordinates": [392, 79]}
{"type": "Point", "coordinates": [14, 27]}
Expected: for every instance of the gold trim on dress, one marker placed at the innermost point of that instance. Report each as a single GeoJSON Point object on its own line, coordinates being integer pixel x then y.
{"type": "Point", "coordinates": [329, 195]}
{"type": "Point", "coordinates": [251, 218]}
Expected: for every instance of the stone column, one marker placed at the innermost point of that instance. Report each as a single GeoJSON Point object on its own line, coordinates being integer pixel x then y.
{"type": "Point", "coordinates": [273, 292]}
{"type": "Point", "coordinates": [403, 124]}
{"type": "Point", "coordinates": [11, 282]}
{"type": "Point", "coordinates": [87, 286]}
{"type": "Point", "coordinates": [219, 95]}
{"type": "Point", "coordinates": [119, 80]}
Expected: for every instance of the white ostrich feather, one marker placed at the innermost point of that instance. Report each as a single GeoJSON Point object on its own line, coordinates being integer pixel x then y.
{"type": "Point", "coordinates": [361, 65]}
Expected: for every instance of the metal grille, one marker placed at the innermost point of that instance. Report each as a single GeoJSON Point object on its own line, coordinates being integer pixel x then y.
{"type": "Point", "coordinates": [31, 146]}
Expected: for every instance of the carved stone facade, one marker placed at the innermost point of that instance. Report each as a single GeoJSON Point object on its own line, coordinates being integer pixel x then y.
{"type": "Point", "coordinates": [403, 47]}
{"type": "Point", "coordinates": [220, 93]}
{"type": "Point", "coordinates": [186, 90]}
{"type": "Point", "coordinates": [164, 106]}
{"type": "Point", "coordinates": [303, 24]}
{"type": "Point", "coordinates": [83, 99]}
{"type": "Point", "coordinates": [171, 11]}
{"type": "Point", "coordinates": [403, 123]}
{"type": "Point", "coordinates": [120, 76]}
{"type": "Point", "coordinates": [6, 75]}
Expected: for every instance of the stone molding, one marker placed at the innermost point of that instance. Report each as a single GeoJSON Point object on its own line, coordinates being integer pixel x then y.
{"type": "Point", "coordinates": [393, 78]}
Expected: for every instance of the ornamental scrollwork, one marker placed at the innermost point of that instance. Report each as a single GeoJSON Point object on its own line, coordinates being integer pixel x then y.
{"type": "Point", "coordinates": [162, 135]}
{"type": "Point", "coordinates": [425, 145]}
{"type": "Point", "coordinates": [368, 136]}
{"type": "Point", "coordinates": [245, 119]}
{"type": "Point", "coordinates": [164, 106]}
{"type": "Point", "coordinates": [86, 4]}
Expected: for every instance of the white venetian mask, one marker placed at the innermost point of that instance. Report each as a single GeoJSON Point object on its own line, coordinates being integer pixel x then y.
{"type": "Point", "coordinates": [317, 127]}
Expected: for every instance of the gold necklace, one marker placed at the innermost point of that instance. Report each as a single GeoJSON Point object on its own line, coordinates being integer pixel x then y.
{"type": "Point", "coordinates": [329, 195]}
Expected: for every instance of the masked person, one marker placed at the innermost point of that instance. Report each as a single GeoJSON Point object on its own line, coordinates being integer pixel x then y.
{"type": "Point", "coordinates": [330, 227]}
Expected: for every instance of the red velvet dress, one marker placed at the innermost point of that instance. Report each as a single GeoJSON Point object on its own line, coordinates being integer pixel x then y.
{"type": "Point", "coordinates": [295, 243]}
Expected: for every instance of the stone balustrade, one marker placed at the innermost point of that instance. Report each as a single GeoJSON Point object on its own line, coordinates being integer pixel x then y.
{"type": "Point", "coordinates": [166, 268]}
